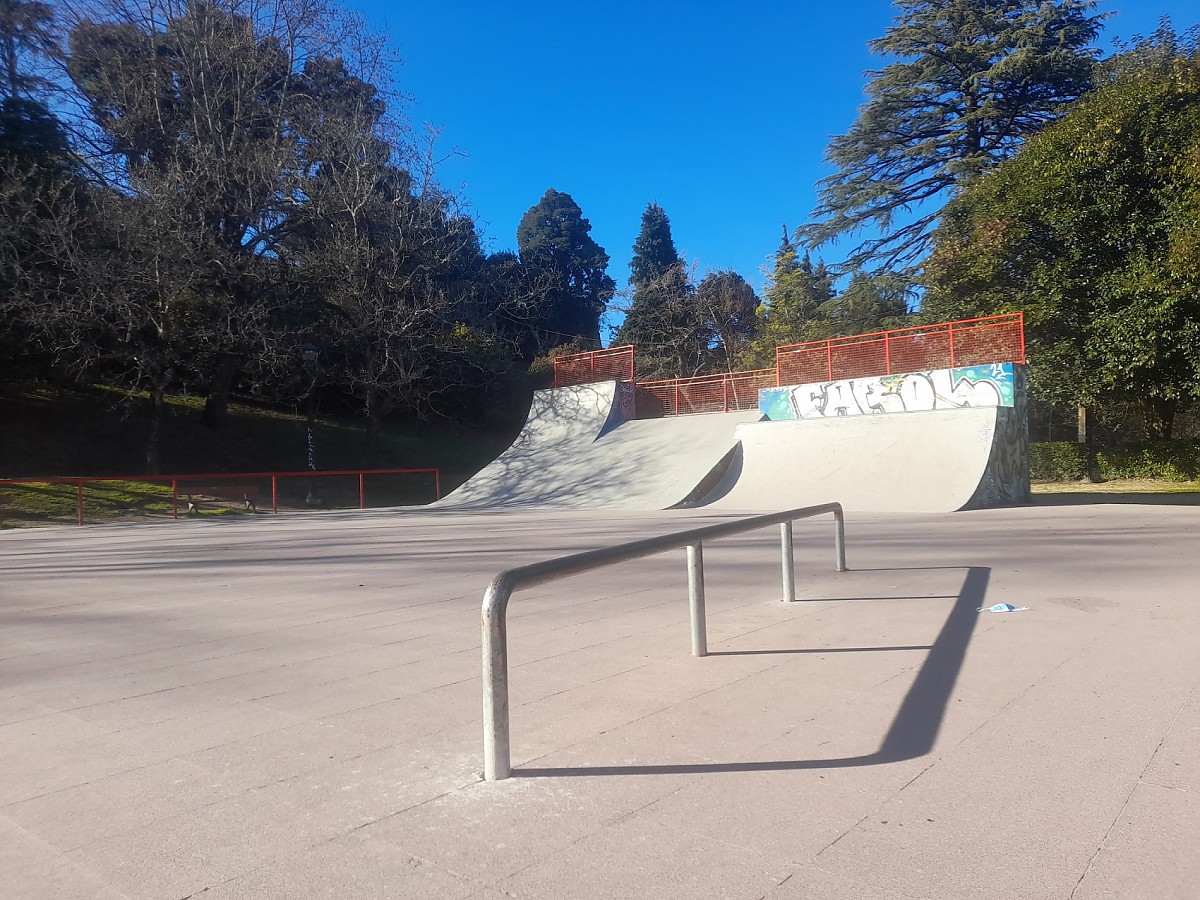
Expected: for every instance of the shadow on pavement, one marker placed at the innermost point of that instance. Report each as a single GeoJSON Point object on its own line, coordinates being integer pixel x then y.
{"type": "Point", "coordinates": [912, 732]}
{"type": "Point", "coordinates": [1087, 498]}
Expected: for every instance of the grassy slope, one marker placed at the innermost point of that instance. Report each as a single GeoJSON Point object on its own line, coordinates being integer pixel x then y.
{"type": "Point", "coordinates": [94, 432]}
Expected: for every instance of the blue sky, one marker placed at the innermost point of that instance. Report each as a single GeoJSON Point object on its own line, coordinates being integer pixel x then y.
{"type": "Point", "coordinates": [718, 111]}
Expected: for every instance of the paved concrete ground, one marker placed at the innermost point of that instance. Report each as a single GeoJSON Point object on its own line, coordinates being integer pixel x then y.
{"type": "Point", "coordinates": [290, 707]}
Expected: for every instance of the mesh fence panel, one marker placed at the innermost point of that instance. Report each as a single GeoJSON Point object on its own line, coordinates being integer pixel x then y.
{"type": "Point", "coordinates": [614, 364]}
{"type": "Point", "coordinates": [705, 394]}
{"type": "Point", "coordinates": [968, 343]}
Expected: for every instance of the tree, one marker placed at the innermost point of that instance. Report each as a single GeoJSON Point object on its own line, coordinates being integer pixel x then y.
{"type": "Point", "coordinates": [654, 250]}
{"type": "Point", "coordinates": [796, 292]}
{"type": "Point", "coordinates": [554, 240]}
{"type": "Point", "coordinates": [870, 302]}
{"type": "Point", "coordinates": [28, 40]}
{"type": "Point", "coordinates": [970, 81]}
{"type": "Point", "coordinates": [1092, 229]}
{"type": "Point", "coordinates": [730, 310]}
{"type": "Point", "coordinates": [206, 116]}
{"type": "Point", "coordinates": [662, 321]}
{"type": "Point", "coordinates": [40, 191]}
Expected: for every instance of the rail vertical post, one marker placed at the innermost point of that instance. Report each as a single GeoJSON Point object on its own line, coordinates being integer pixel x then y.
{"type": "Point", "coordinates": [695, 567]}
{"type": "Point", "coordinates": [839, 539]}
{"type": "Point", "coordinates": [174, 498]}
{"type": "Point", "coordinates": [437, 484]}
{"type": "Point", "coordinates": [275, 494]}
{"type": "Point", "coordinates": [361, 503]}
{"type": "Point", "coordinates": [789, 567]}
{"type": "Point", "coordinates": [829, 358]}
{"type": "Point", "coordinates": [79, 501]}
{"type": "Point", "coordinates": [497, 756]}
{"type": "Point", "coordinates": [887, 351]}
{"type": "Point", "coordinates": [951, 331]}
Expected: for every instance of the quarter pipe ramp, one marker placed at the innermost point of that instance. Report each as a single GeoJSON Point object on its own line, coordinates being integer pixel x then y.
{"type": "Point", "coordinates": [578, 451]}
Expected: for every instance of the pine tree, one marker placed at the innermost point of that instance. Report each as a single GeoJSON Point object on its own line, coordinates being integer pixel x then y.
{"type": "Point", "coordinates": [663, 321]}
{"type": "Point", "coordinates": [654, 250]}
{"type": "Point", "coordinates": [970, 81]}
{"type": "Point", "coordinates": [796, 292]}
{"type": "Point", "coordinates": [554, 240]}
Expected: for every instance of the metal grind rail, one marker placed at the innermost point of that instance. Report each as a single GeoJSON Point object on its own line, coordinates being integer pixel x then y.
{"type": "Point", "coordinates": [497, 757]}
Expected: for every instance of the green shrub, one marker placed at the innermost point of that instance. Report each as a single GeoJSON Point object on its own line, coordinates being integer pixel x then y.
{"type": "Point", "coordinates": [1059, 461]}
{"type": "Point", "coordinates": [1173, 460]}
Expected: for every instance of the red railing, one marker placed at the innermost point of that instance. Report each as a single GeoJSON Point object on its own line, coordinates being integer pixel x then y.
{"type": "Point", "coordinates": [613, 364]}
{"type": "Point", "coordinates": [970, 342]}
{"type": "Point", "coordinates": [225, 486]}
{"type": "Point", "coordinates": [726, 392]}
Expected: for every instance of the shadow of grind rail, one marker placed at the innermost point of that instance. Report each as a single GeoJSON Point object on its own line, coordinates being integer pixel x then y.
{"type": "Point", "coordinates": [912, 732]}
{"type": "Point", "coordinates": [497, 761]}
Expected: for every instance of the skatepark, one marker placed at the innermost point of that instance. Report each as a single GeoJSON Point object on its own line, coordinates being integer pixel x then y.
{"type": "Point", "coordinates": [290, 706]}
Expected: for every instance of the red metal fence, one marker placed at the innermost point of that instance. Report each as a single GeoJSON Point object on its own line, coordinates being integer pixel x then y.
{"type": "Point", "coordinates": [971, 342]}
{"type": "Point", "coordinates": [326, 489]}
{"type": "Point", "coordinates": [613, 364]}
{"type": "Point", "coordinates": [707, 393]}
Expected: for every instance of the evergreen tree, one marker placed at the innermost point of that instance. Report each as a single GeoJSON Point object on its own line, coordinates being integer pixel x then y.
{"type": "Point", "coordinates": [970, 81]}
{"type": "Point", "coordinates": [871, 302]}
{"type": "Point", "coordinates": [665, 324]}
{"type": "Point", "coordinates": [796, 291]}
{"type": "Point", "coordinates": [1091, 230]}
{"type": "Point", "coordinates": [660, 318]}
{"type": "Point", "coordinates": [554, 242]}
{"type": "Point", "coordinates": [654, 250]}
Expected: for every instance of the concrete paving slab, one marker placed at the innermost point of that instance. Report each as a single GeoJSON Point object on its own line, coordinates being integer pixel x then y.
{"type": "Point", "coordinates": [182, 856]}
{"type": "Point", "coordinates": [1176, 762]}
{"type": "Point", "coordinates": [30, 867]}
{"type": "Point", "coordinates": [353, 865]}
{"type": "Point", "coordinates": [74, 817]}
{"type": "Point", "coordinates": [174, 694]}
{"type": "Point", "coordinates": [655, 861]}
{"type": "Point", "coordinates": [1156, 833]}
{"type": "Point", "coordinates": [813, 883]}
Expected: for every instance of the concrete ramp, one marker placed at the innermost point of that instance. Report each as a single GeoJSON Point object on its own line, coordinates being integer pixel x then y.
{"type": "Point", "coordinates": [576, 451]}
{"type": "Point", "coordinates": [933, 461]}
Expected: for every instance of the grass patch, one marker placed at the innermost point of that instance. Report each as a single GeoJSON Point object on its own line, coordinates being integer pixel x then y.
{"type": "Point", "coordinates": [94, 431]}
{"type": "Point", "coordinates": [1118, 486]}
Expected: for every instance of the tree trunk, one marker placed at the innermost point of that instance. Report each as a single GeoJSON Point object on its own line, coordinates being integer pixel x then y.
{"type": "Point", "coordinates": [216, 407]}
{"type": "Point", "coordinates": [1084, 435]}
{"type": "Point", "coordinates": [371, 437]}
{"type": "Point", "coordinates": [1158, 417]}
{"type": "Point", "coordinates": [158, 407]}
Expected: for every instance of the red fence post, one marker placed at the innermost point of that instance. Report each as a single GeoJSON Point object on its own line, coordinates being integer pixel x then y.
{"type": "Point", "coordinates": [437, 484]}
{"type": "Point", "coordinates": [887, 351]}
{"type": "Point", "coordinates": [361, 504]}
{"type": "Point", "coordinates": [79, 500]}
{"type": "Point", "coordinates": [174, 498]}
{"type": "Point", "coordinates": [829, 358]}
{"type": "Point", "coordinates": [951, 331]}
